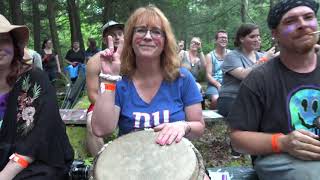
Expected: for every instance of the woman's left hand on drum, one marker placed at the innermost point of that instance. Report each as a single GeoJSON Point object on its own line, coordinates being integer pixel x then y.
{"type": "Point", "coordinates": [170, 132]}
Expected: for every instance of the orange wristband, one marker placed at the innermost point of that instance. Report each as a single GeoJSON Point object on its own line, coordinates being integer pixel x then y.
{"type": "Point", "coordinates": [263, 59]}
{"type": "Point", "coordinates": [20, 160]}
{"type": "Point", "coordinates": [275, 143]}
{"type": "Point", "coordinates": [107, 86]}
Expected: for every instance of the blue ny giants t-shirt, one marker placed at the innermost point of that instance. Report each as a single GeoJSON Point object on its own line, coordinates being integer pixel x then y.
{"type": "Point", "coordinates": [166, 106]}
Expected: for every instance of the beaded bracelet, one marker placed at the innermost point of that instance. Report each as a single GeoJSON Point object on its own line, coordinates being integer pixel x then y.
{"type": "Point", "coordinates": [110, 77]}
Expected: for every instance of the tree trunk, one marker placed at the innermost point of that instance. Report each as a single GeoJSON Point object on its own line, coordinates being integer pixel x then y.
{"type": "Point", "coordinates": [74, 19]}
{"type": "Point", "coordinates": [3, 8]}
{"type": "Point", "coordinates": [107, 11]}
{"type": "Point", "coordinates": [243, 10]}
{"type": "Point", "coordinates": [107, 15]}
{"type": "Point", "coordinates": [53, 29]}
{"type": "Point", "coordinates": [16, 12]}
{"type": "Point", "coordinates": [36, 25]}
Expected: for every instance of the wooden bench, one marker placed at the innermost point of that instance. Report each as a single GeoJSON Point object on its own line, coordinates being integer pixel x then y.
{"type": "Point", "coordinates": [74, 116]}
{"type": "Point", "coordinates": [211, 116]}
{"type": "Point", "coordinates": [79, 116]}
{"type": "Point", "coordinates": [237, 173]}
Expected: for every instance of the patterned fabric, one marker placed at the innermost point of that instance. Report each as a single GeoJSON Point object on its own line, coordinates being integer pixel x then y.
{"type": "Point", "coordinates": [33, 126]}
{"type": "Point", "coordinates": [26, 109]}
{"type": "Point", "coordinates": [276, 13]}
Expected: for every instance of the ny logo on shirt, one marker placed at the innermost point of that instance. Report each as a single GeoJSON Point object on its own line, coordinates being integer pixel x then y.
{"type": "Point", "coordinates": [149, 118]}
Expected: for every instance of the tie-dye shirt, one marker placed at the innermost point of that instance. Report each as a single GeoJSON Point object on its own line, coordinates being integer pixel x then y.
{"type": "Point", "coordinates": [3, 106]}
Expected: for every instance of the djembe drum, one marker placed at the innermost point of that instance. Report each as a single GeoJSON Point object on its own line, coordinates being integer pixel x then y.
{"type": "Point", "coordinates": [136, 156]}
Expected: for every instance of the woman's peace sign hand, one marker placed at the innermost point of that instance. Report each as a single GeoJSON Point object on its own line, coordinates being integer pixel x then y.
{"type": "Point", "coordinates": [110, 58]}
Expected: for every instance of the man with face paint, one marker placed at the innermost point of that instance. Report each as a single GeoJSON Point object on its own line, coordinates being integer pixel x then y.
{"type": "Point", "coordinates": [115, 30]}
{"type": "Point", "coordinates": [275, 116]}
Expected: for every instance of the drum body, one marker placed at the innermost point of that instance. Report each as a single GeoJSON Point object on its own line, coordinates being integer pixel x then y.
{"type": "Point", "coordinates": [136, 156]}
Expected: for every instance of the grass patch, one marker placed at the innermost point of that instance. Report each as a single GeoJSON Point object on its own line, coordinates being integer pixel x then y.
{"type": "Point", "coordinates": [83, 103]}
{"type": "Point", "coordinates": [77, 136]}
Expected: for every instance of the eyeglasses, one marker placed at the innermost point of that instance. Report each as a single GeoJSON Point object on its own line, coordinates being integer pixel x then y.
{"type": "Point", "coordinates": [195, 42]}
{"type": "Point", "coordinates": [154, 32]}
{"type": "Point", "coordinates": [223, 38]}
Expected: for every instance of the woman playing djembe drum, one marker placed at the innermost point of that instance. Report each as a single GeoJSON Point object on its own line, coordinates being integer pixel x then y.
{"type": "Point", "coordinates": [154, 91]}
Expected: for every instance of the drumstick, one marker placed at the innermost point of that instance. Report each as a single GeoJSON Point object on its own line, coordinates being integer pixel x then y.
{"type": "Point", "coordinates": [314, 32]}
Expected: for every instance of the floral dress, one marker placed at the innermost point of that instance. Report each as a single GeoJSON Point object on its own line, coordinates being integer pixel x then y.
{"type": "Point", "coordinates": [33, 126]}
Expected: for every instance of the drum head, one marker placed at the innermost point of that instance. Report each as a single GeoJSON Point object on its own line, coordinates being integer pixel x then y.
{"type": "Point", "coordinates": [136, 156]}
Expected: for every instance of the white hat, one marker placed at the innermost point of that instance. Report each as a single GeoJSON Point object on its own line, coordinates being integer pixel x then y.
{"type": "Point", "coordinates": [111, 24]}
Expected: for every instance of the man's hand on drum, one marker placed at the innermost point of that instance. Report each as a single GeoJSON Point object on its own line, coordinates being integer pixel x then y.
{"type": "Point", "coordinates": [170, 132]}
{"type": "Point", "coordinates": [110, 58]}
{"type": "Point", "coordinates": [301, 144]}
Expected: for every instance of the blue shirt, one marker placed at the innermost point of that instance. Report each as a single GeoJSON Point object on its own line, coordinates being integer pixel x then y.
{"type": "Point", "coordinates": [216, 62]}
{"type": "Point", "coordinates": [166, 106]}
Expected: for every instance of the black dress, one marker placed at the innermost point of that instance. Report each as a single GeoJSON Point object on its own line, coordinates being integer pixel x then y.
{"type": "Point", "coordinates": [32, 124]}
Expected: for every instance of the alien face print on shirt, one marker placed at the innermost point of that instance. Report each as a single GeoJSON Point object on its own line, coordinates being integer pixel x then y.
{"type": "Point", "coordinates": [304, 109]}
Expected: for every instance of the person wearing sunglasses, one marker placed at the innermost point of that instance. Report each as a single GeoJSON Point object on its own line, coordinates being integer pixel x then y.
{"type": "Point", "coordinates": [193, 59]}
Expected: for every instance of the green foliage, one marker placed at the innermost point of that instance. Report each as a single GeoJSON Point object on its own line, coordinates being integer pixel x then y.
{"type": "Point", "coordinates": [240, 162]}
{"type": "Point", "coordinates": [77, 136]}
{"type": "Point", "coordinates": [83, 103]}
{"type": "Point", "coordinates": [188, 18]}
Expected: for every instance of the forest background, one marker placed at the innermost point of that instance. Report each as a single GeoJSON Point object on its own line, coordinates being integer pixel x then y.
{"type": "Point", "coordinates": [66, 20]}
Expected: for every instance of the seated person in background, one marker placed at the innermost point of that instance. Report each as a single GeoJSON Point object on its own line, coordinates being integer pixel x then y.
{"type": "Point", "coordinates": [214, 60]}
{"type": "Point", "coordinates": [275, 117]}
{"type": "Point", "coordinates": [74, 57]}
{"type": "Point", "coordinates": [115, 30]}
{"type": "Point", "coordinates": [31, 128]}
{"type": "Point", "coordinates": [180, 46]}
{"type": "Point", "coordinates": [238, 64]}
{"type": "Point", "coordinates": [33, 58]}
{"type": "Point", "coordinates": [193, 59]}
{"type": "Point", "coordinates": [271, 53]}
{"type": "Point", "coordinates": [92, 48]}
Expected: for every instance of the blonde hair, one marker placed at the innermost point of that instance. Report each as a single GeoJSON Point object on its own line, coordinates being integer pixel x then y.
{"type": "Point", "coordinates": [169, 58]}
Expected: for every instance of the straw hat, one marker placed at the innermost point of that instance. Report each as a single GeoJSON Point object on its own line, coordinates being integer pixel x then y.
{"type": "Point", "coordinates": [20, 32]}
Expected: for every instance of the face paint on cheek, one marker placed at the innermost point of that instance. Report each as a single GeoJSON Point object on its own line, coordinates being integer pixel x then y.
{"type": "Point", "coordinates": [313, 24]}
{"type": "Point", "coordinates": [138, 40]}
{"type": "Point", "coordinates": [8, 51]}
{"type": "Point", "coordinates": [157, 41]}
{"type": "Point", "coordinates": [289, 29]}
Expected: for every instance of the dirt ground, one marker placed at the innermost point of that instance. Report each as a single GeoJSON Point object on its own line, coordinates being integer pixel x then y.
{"type": "Point", "coordinates": [214, 148]}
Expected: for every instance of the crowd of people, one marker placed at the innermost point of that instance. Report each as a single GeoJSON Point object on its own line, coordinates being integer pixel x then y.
{"type": "Point", "coordinates": [146, 79]}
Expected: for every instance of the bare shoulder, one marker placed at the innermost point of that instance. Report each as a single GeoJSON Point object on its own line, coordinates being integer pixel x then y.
{"type": "Point", "coordinates": [208, 55]}
{"type": "Point", "coordinates": [93, 64]}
